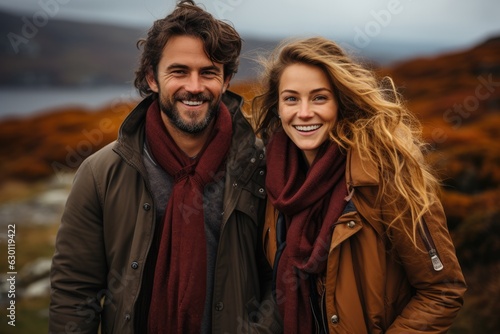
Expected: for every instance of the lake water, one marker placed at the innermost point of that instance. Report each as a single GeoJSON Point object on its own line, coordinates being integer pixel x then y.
{"type": "Point", "coordinates": [23, 102]}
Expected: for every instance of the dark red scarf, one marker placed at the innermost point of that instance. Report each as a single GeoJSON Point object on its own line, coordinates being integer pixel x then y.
{"type": "Point", "coordinates": [179, 288]}
{"type": "Point", "coordinates": [312, 201]}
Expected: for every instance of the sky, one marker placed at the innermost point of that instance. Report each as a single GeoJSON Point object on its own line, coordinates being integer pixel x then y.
{"type": "Point", "coordinates": [447, 23]}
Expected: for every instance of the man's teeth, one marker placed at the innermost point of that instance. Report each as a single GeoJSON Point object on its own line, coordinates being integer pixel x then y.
{"type": "Point", "coordinates": [193, 103]}
{"type": "Point", "coordinates": [307, 127]}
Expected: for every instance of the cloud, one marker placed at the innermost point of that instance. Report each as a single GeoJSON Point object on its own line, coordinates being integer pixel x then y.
{"type": "Point", "coordinates": [444, 21]}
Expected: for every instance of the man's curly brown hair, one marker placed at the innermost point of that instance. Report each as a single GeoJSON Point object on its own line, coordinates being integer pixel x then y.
{"type": "Point", "coordinates": [221, 42]}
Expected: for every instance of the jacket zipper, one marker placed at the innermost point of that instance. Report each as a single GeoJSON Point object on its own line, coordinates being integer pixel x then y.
{"type": "Point", "coordinates": [323, 307]}
{"type": "Point", "coordinates": [429, 245]}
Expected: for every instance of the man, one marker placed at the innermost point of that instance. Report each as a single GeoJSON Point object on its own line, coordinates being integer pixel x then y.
{"type": "Point", "coordinates": [161, 231]}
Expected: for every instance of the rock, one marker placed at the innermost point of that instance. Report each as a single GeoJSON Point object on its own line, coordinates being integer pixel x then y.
{"type": "Point", "coordinates": [43, 208]}
{"type": "Point", "coordinates": [34, 272]}
{"type": "Point", "coordinates": [40, 288]}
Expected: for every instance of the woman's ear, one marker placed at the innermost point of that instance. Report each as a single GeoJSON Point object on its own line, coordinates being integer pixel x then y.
{"type": "Point", "coordinates": [151, 79]}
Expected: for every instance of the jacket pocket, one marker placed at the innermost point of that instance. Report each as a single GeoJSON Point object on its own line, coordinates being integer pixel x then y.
{"type": "Point", "coordinates": [249, 205]}
{"type": "Point", "coordinates": [261, 318]}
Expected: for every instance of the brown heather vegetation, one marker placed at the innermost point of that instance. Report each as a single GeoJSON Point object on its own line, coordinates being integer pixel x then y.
{"type": "Point", "coordinates": [460, 114]}
{"type": "Point", "coordinates": [37, 147]}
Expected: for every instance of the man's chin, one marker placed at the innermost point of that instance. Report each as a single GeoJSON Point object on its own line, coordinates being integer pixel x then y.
{"type": "Point", "coordinates": [194, 124]}
{"type": "Point", "coordinates": [193, 116]}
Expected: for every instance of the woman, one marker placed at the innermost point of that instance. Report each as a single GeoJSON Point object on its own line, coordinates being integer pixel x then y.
{"type": "Point", "coordinates": [354, 229]}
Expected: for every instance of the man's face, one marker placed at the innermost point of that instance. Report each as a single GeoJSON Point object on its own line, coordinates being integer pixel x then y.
{"type": "Point", "coordinates": [189, 85]}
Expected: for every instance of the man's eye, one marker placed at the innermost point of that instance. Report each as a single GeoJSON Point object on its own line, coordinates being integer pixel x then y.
{"type": "Point", "coordinates": [209, 73]}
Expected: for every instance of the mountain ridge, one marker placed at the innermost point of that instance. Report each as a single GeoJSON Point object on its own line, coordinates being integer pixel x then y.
{"type": "Point", "coordinates": [66, 53]}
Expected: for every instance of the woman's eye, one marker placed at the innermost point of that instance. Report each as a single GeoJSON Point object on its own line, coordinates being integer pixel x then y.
{"type": "Point", "coordinates": [290, 99]}
{"type": "Point", "coordinates": [320, 98]}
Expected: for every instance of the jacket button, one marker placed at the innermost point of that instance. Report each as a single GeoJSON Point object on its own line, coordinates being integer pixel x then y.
{"type": "Point", "coordinates": [261, 190]}
{"type": "Point", "coordinates": [127, 317]}
{"type": "Point", "coordinates": [261, 172]}
{"type": "Point", "coordinates": [219, 306]}
{"type": "Point", "coordinates": [235, 185]}
{"type": "Point", "coordinates": [146, 206]}
{"type": "Point", "coordinates": [134, 265]}
{"type": "Point", "coordinates": [252, 160]}
{"type": "Point", "coordinates": [351, 224]}
{"type": "Point", "coordinates": [335, 319]}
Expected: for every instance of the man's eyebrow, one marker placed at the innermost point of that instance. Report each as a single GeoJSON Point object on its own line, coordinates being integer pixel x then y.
{"type": "Point", "coordinates": [211, 68]}
{"type": "Point", "coordinates": [175, 65]}
{"type": "Point", "coordinates": [185, 67]}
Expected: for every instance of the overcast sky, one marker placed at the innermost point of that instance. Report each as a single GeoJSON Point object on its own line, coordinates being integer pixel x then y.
{"type": "Point", "coordinates": [450, 23]}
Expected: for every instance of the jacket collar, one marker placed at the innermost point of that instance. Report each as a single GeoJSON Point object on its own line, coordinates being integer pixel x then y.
{"type": "Point", "coordinates": [232, 101]}
{"type": "Point", "coordinates": [360, 171]}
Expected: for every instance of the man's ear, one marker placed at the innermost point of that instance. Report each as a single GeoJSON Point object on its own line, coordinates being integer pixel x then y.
{"type": "Point", "coordinates": [225, 86]}
{"type": "Point", "coordinates": [150, 78]}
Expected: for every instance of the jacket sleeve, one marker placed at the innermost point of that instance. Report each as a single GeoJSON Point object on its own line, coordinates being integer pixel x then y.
{"type": "Point", "coordinates": [78, 274]}
{"type": "Point", "coordinates": [267, 318]}
{"type": "Point", "coordinates": [438, 293]}
{"type": "Point", "coordinates": [270, 321]}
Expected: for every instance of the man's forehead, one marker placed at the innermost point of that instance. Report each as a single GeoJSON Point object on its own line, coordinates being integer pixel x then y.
{"type": "Point", "coordinates": [187, 51]}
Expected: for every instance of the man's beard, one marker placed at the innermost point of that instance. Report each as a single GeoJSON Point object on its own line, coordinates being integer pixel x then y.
{"type": "Point", "coordinates": [168, 108]}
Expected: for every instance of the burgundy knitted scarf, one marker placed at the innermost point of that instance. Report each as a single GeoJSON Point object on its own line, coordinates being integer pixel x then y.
{"type": "Point", "coordinates": [179, 288]}
{"type": "Point", "coordinates": [311, 201]}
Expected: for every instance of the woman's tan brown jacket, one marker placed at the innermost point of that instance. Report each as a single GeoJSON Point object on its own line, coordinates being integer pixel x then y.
{"type": "Point", "coordinates": [376, 281]}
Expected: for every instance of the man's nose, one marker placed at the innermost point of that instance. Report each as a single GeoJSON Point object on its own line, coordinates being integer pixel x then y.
{"type": "Point", "coordinates": [194, 84]}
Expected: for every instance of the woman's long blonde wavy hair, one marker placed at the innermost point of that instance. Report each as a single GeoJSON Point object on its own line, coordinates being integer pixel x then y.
{"type": "Point", "coordinates": [372, 119]}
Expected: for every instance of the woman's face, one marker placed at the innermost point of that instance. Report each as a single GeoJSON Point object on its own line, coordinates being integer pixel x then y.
{"type": "Point", "coordinates": [307, 107]}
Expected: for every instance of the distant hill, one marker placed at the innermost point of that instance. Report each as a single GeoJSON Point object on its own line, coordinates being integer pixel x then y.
{"type": "Point", "coordinates": [452, 73]}
{"type": "Point", "coordinates": [65, 53]}
{"type": "Point", "coordinates": [457, 98]}
{"type": "Point", "coordinates": [71, 53]}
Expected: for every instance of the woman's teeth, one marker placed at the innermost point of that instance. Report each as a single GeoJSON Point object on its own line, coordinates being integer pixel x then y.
{"type": "Point", "coordinates": [307, 128]}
